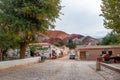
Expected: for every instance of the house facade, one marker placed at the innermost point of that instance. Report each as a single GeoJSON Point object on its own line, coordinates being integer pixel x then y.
{"type": "Point", "coordinates": [92, 52]}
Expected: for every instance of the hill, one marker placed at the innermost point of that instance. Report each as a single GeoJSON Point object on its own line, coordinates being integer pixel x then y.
{"type": "Point", "coordinates": [57, 34]}
{"type": "Point", "coordinates": [61, 36]}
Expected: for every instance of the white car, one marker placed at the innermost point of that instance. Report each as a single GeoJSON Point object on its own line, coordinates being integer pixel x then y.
{"type": "Point", "coordinates": [72, 56]}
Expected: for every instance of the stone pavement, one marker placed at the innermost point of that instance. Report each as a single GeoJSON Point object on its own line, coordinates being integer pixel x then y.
{"type": "Point", "coordinates": [61, 69]}
{"type": "Point", "coordinates": [107, 73]}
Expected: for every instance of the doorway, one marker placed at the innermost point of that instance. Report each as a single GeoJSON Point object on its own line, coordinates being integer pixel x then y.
{"type": "Point", "coordinates": [83, 55]}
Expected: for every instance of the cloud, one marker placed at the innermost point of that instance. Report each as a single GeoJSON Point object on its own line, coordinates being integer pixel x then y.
{"type": "Point", "coordinates": [81, 17]}
{"type": "Point", "coordinates": [91, 6]}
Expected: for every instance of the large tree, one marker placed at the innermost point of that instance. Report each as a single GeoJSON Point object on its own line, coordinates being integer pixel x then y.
{"type": "Point", "coordinates": [26, 18]}
{"type": "Point", "coordinates": [111, 13]}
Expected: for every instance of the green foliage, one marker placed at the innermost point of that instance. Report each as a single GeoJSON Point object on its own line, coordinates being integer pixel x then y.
{"type": "Point", "coordinates": [28, 16]}
{"type": "Point", "coordinates": [111, 13]}
{"type": "Point", "coordinates": [59, 44]}
{"type": "Point", "coordinates": [33, 48]}
{"type": "Point", "coordinates": [8, 40]}
{"type": "Point", "coordinates": [37, 47]}
{"type": "Point", "coordinates": [111, 39]}
{"type": "Point", "coordinates": [43, 48]}
{"type": "Point", "coordinates": [71, 45]}
{"type": "Point", "coordinates": [25, 18]}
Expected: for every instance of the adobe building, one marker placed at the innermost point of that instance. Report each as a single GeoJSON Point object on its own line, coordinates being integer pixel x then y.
{"type": "Point", "coordinates": [92, 52]}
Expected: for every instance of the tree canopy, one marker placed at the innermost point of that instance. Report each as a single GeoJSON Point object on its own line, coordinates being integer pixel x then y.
{"type": "Point", "coordinates": [8, 40]}
{"type": "Point", "coordinates": [111, 39]}
{"type": "Point", "coordinates": [71, 45]}
{"type": "Point", "coordinates": [111, 13]}
{"type": "Point", "coordinates": [26, 18]}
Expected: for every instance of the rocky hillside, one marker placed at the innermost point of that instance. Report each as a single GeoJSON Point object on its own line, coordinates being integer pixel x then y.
{"type": "Point", "coordinates": [60, 36]}
{"type": "Point", "coordinates": [72, 36]}
{"type": "Point", "coordinates": [57, 34]}
{"type": "Point", "coordinates": [89, 41]}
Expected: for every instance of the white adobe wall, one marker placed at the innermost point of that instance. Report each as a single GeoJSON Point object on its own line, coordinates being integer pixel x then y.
{"type": "Point", "coordinates": [20, 62]}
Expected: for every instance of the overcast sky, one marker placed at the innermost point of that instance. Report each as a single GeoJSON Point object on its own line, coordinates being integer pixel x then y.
{"type": "Point", "coordinates": [82, 17]}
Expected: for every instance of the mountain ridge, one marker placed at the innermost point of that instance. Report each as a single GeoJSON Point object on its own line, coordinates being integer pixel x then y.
{"type": "Point", "coordinates": [61, 36]}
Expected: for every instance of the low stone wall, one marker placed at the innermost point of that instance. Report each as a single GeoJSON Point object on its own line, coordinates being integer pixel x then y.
{"type": "Point", "coordinates": [20, 62]}
{"type": "Point", "coordinates": [111, 67]}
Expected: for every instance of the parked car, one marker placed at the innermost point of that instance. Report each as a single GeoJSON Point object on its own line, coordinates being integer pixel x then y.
{"type": "Point", "coordinates": [72, 56]}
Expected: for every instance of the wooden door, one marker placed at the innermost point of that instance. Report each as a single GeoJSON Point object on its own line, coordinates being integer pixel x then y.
{"type": "Point", "coordinates": [83, 55]}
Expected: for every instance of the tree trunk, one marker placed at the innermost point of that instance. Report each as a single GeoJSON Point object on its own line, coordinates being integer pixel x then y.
{"type": "Point", "coordinates": [3, 54]}
{"type": "Point", "coordinates": [23, 50]}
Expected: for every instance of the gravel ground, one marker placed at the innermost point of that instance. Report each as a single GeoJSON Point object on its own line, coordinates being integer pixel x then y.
{"type": "Point", "coordinates": [61, 69]}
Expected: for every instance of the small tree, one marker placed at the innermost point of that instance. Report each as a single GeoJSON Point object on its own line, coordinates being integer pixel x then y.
{"type": "Point", "coordinates": [59, 44]}
{"type": "Point", "coordinates": [71, 45]}
{"type": "Point", "coordinates": [26, 18]}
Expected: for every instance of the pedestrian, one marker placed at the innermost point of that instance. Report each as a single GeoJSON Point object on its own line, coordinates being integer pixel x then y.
{"type": "Point", "coordinates": [31, 53]}
{"type": "Point", "coordinates": [106, 57]}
